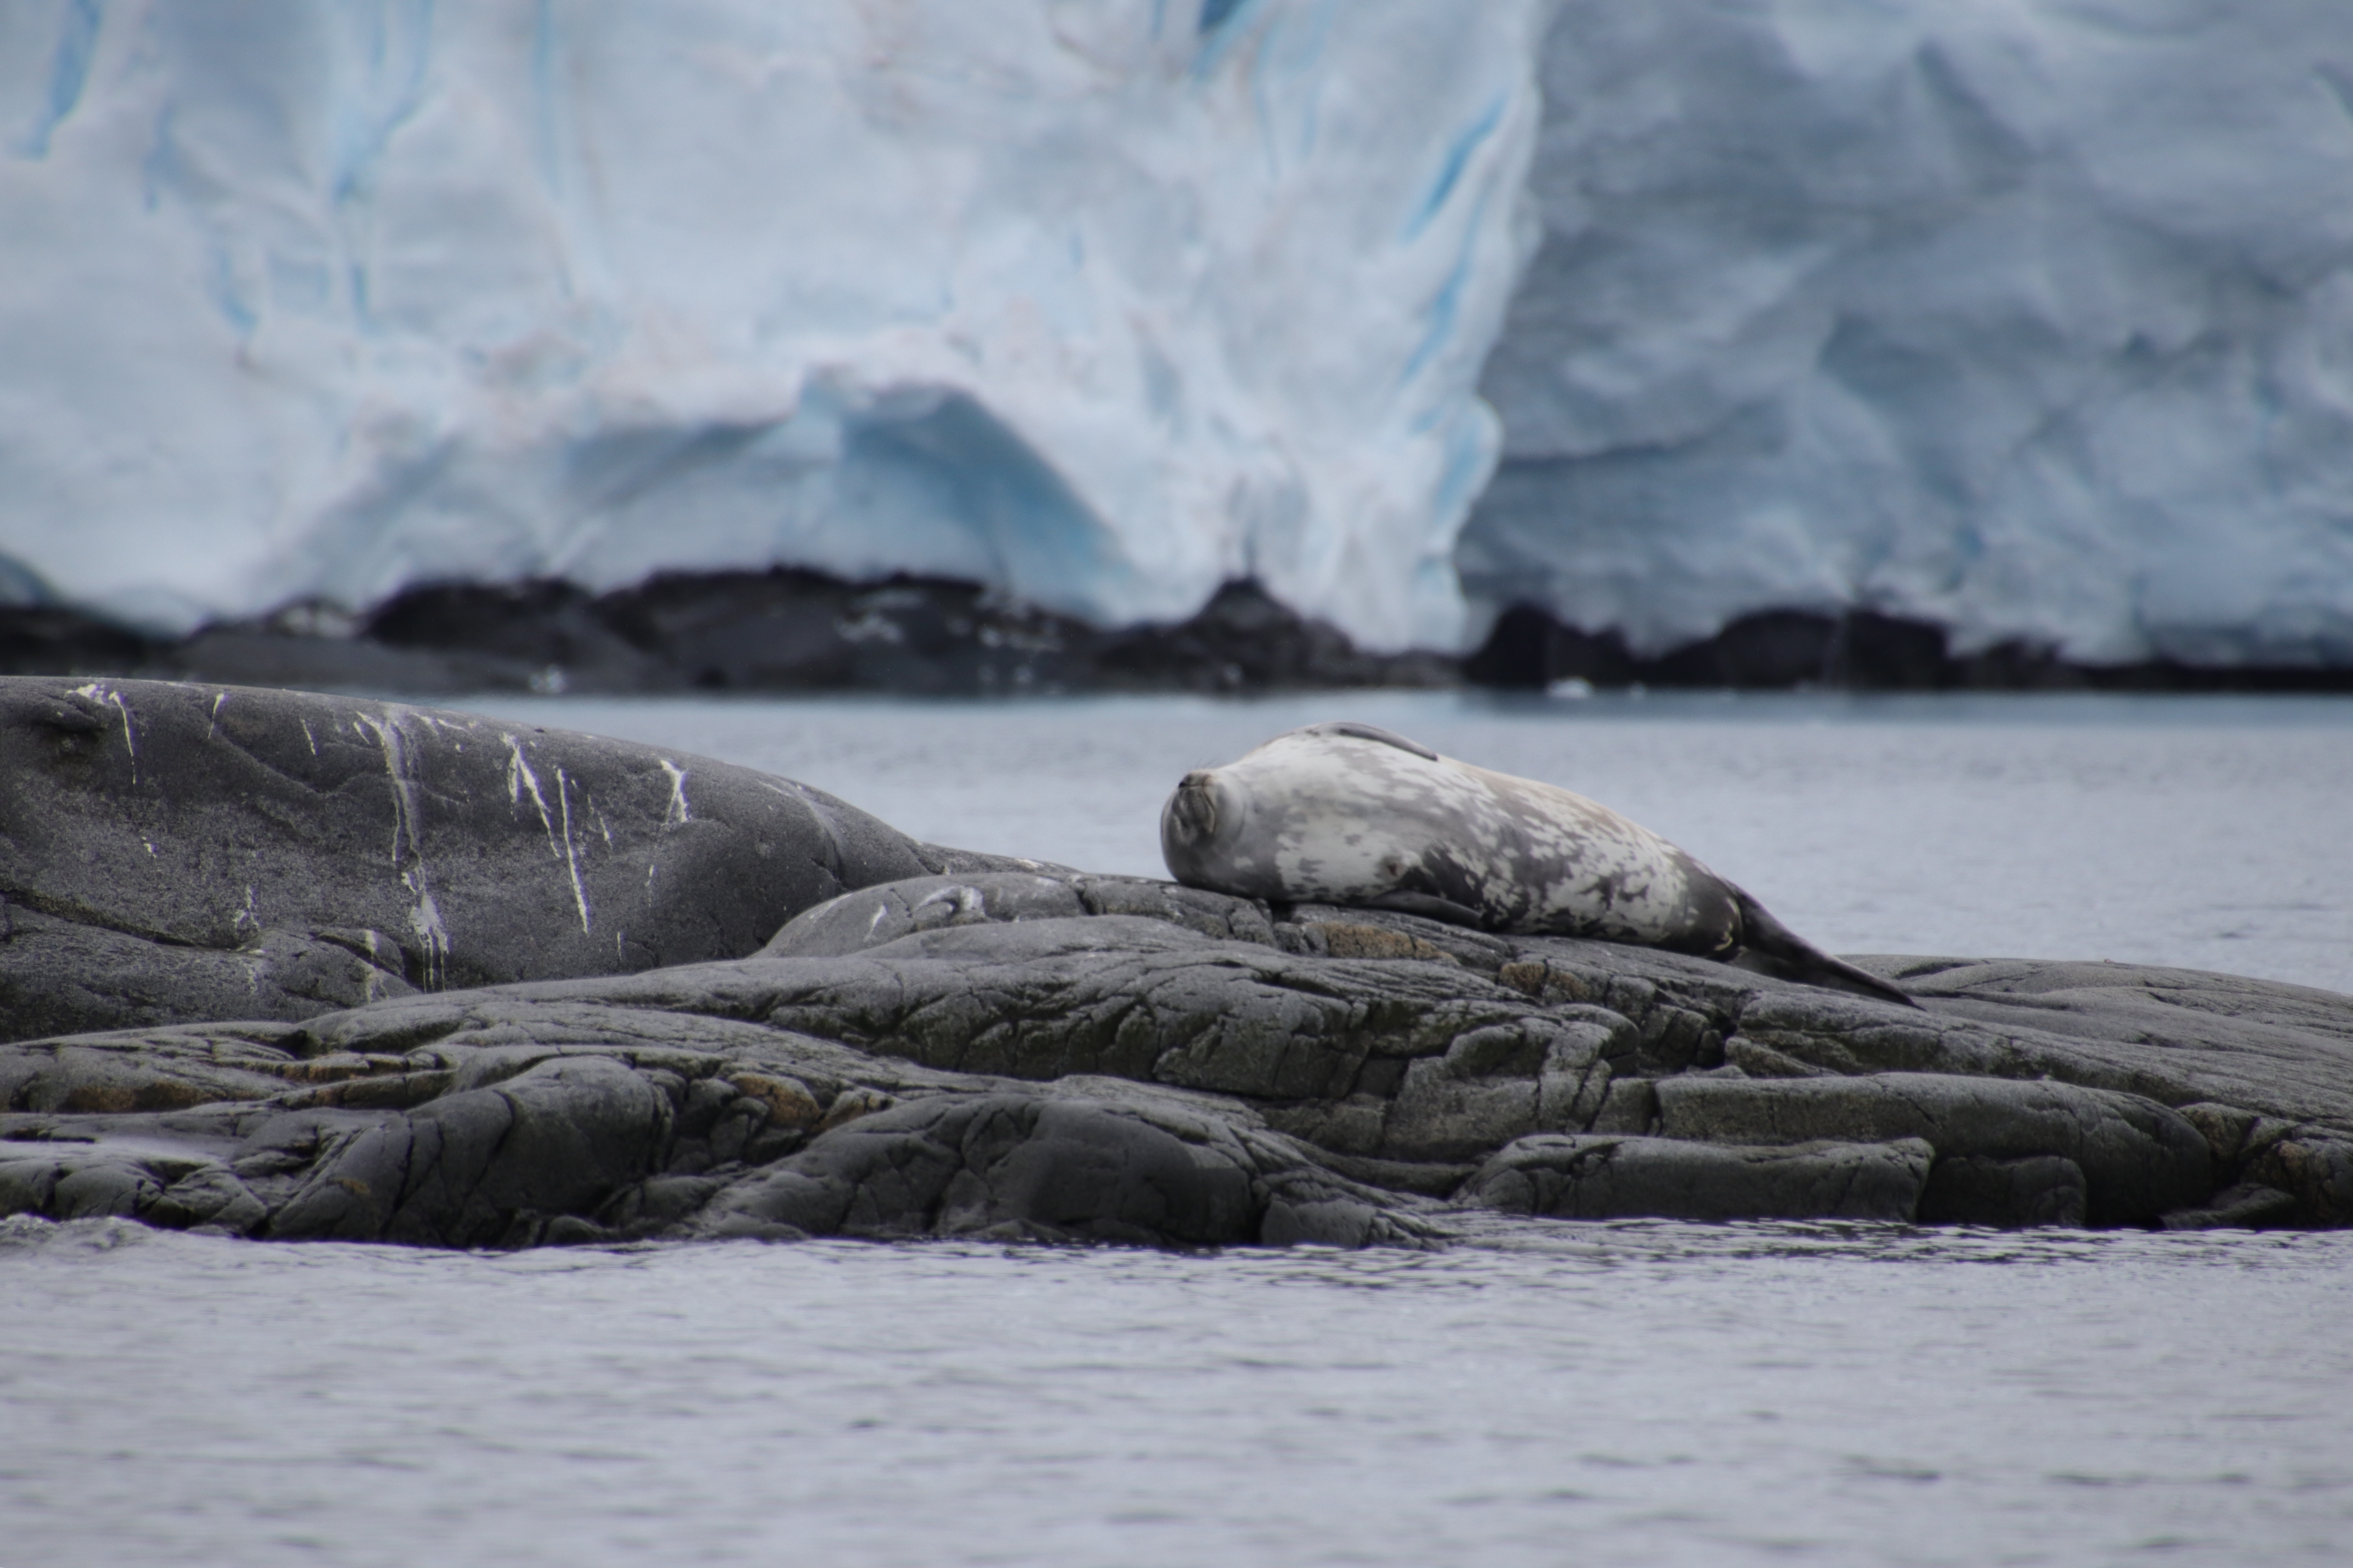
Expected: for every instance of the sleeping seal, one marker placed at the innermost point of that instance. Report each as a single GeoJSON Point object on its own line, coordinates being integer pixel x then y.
{"type": "Point", "coordinates": [1349, 813]}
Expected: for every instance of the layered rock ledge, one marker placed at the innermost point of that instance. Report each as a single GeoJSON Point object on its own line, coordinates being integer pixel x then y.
{"type": "Point", "coordinates": [595, 1037]}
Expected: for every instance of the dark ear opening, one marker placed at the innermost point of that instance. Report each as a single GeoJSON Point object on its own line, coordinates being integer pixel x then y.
{"type": "Point", "coordinates": [1373, 732]}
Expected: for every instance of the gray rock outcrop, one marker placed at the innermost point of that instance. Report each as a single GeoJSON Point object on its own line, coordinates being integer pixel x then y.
{"type": "Point", "coordinates": [173, 852]}
{"type": "Point", "coordinates": [1303, 1074]}
{"type": "Point", "coordinates": [1000, 1049]}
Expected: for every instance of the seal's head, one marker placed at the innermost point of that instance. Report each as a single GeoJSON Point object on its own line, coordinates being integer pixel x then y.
{"type": "Point", "coordinates": [1203, 811]}
{"type": "Point", "coordinates": [1310, 815]}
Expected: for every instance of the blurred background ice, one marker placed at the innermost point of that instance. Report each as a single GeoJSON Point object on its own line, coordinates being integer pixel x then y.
{"type": "Point", "coordinates": [2029, 318]}
{"type": "Point", "coordinates": [1102, 304]}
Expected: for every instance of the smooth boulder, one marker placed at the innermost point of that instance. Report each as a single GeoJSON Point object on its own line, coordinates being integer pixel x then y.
{"type": "Point", "coordinates": [171, 852]}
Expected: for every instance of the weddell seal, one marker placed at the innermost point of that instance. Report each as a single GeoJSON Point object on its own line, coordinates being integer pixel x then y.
{"type": "Point", "coordinates": [1349, 813]}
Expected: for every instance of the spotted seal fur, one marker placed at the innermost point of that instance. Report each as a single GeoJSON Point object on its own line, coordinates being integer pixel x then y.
{"type": "Point", "coordinates": [1351, 814]}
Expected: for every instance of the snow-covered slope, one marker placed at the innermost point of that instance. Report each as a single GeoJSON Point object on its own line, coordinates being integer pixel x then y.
{"type": "Point", "coordinates": [2034, 318]}
{"type": "Point", "coordinates": [1100, 300]}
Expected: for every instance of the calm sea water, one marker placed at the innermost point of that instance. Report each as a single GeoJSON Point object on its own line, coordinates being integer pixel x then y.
{"type": "Point", "coordinates": [1622, 1393]}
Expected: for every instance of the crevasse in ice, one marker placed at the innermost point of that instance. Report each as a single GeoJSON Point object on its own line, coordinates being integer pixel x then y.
{"type": "Point", "coordinates": [1101, 301]}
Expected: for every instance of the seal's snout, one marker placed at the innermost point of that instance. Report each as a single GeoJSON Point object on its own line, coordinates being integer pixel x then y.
{"type": "Point", "coordinates": [1188, 829]}
{"type": "Point", "coordinates": [1192, 815]}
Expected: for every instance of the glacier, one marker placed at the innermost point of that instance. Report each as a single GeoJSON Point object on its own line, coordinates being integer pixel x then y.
{"type": "Point", "coordinates": [2032, 319]}
{"type": "Point", "coordinates": [1101, 302]}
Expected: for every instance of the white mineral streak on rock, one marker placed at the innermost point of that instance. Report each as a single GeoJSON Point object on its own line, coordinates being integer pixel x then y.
{"type": "Point", "coordinates": [1100, 303]}
{"type": "Point", "coordinates": [570, 851]}
{"type": "Point", "coordinates": [520, 778]}
{"type": "Point", "coordinates": [97, 691]}
{"type": "Point", "coordinates": [556, 824]}
{"type": "Point", "coordinates": [408, 843]}
{"type": "Point", "coordinates": [679, 811]}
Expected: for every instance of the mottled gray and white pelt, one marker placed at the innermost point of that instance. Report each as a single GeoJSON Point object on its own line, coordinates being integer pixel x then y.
{"type": "Point", "coordinates": [1349, 813]}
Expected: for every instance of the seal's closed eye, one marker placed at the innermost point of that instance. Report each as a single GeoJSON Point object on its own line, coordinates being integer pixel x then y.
{"type": "Point", "coordinates": [1371, 732]}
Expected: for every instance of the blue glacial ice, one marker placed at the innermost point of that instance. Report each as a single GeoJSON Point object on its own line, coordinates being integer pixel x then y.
{"type": "Point", "coordinates": [1100, 301]}
{"type": "Point", "coordinates": [2032, 318]}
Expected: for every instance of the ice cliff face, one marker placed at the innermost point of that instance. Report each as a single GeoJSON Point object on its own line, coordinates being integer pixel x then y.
{"type": "Point", "coordinates": [1101, 301]}
{"type": "Point", "coordinates": [2034, 318]}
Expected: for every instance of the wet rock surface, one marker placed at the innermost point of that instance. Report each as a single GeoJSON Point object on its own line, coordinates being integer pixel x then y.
{"type": "Point", "coordinates": [970, 1047]}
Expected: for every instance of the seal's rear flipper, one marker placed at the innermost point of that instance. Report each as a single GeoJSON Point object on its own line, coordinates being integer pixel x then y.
{"type": "Point", "coordinates": [1770, 948]}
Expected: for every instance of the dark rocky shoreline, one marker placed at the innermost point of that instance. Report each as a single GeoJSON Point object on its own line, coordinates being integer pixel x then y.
{"type": "Point", "coordinates": [781, 631]}
{"type": "Point", "coordinates": [789, 630]}
{"type": "Point", "coordinates": [228, 1008]}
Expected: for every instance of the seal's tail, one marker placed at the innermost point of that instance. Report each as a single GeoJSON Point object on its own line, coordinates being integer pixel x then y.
{"type": "Point", "coordinates": [1772, 949]}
